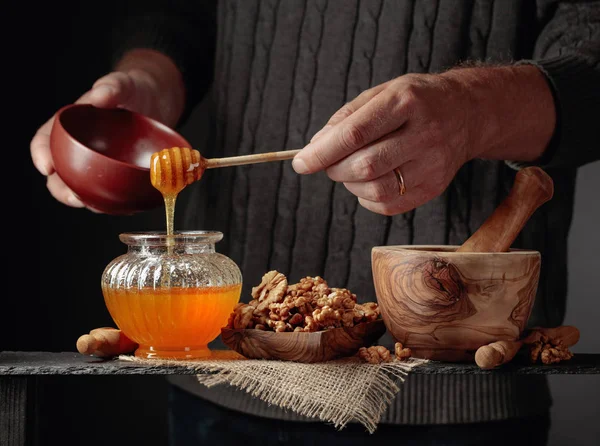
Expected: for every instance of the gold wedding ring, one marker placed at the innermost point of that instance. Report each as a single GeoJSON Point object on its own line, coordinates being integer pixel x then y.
{"type": "Point", "coordinates": [400, 178]}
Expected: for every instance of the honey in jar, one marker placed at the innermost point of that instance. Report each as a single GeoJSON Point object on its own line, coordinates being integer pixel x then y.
{"type": "Point", "coordinates": [171, 294]}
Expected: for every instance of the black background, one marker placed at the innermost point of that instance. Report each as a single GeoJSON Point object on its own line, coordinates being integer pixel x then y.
{"type": "Point", "coordinates": [55, 255]}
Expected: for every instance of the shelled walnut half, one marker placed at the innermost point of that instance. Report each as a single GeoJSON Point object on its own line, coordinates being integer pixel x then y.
{"type": "Point", "coordinates": [309, 305]}
{"type": "Point", "coordinates": [377, 354]}
{"type": "Point", "coordinates": [549, 351]}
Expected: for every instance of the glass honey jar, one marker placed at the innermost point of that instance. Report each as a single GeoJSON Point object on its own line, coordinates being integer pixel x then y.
{"type": "Point", "coordinates": [171, 294]}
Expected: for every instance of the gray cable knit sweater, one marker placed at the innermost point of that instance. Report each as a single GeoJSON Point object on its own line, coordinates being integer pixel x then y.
{"type": "Point", "coordinates": [276, 70]}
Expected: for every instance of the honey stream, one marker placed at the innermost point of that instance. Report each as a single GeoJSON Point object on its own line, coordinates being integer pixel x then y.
{"type": "Point", "coordinates": [172, 321]}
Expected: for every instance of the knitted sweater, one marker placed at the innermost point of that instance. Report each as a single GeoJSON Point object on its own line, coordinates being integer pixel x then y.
{"type": "Point", "coordinates": [276, 70]}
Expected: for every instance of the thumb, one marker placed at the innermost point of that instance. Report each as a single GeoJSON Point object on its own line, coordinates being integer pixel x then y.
{"type": "Point", "coordinates": [109, 91]}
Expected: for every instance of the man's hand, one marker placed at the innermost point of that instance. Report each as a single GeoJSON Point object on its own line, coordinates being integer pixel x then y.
{"type": "Point", "coordinates": [145, 81]}
{"type": "Point", "coordinates": [428, 126]}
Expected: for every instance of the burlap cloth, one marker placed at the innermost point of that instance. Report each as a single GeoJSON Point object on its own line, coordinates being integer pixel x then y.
{"type": "Point", "coordinates": [337, 392]}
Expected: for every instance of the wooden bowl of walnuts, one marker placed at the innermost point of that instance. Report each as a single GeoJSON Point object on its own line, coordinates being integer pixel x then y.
{"type": "Point", "coordinates": [305, 322]}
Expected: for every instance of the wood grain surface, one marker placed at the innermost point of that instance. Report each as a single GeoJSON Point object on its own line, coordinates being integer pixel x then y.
{"type": "Point", "coordinates": [531, 188]}
{"type": "Point", "coordinates": [445, 304]}
{"type": "Point", "coordinates": [303, 346]}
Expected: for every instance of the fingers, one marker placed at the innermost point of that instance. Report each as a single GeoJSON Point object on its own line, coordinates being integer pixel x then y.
{"type": "Point", "coordinates": [110, 91]}
{"type": "Point", "coordinates": [40, 149]}
{"type": "Point", "coordinates": [382, 195]}
{"type": "Point", "coordinates": [350, 108]}
{"type": "Point", "coordinates": [374, 160]}
{"type": "Point", "coordinates": [113, 90]}
{"type": "Point", "coordinates": [380, 116]}
{"type": "Point", "coordinates": [386, 187]}
{"type": "Point", "coordinates": [411, 200]}
{"type": "Point", "coordinates": [61, 192]}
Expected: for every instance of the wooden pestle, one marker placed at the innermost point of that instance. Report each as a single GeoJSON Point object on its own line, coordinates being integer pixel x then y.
{"type": "Point", "coordinates": [500, 352]}
{"type": "Point", "coordinates": [190, 165]}
{"type": "Point", "coordinates": [532, 188]}
{"type": "Point", "coordinates": [105, 342]}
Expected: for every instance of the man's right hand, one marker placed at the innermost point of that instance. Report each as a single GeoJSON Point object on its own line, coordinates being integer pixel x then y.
{"type": "Point", "coordinates": [145, 81]}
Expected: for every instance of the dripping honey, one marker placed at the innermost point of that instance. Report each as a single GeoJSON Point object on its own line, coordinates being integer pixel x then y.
{"type": "Point", "coordinates": [171, 170]}
{"type": "Point", "coordinates": [172, 322]}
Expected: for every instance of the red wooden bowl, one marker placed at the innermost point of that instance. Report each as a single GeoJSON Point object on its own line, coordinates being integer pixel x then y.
{"type": "Point", "coordinates": [103, 155]}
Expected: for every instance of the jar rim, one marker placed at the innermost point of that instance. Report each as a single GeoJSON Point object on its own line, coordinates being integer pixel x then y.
{"type": "Point", "coordinates": [161, 238]}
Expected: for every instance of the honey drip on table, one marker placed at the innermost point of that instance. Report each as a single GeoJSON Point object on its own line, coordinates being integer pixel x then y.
{"type": "Point", "coordinates": [171, 170]}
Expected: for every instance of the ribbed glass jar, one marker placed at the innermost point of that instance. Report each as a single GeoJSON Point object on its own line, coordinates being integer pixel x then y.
{"type": "Point", "coordinates": [171, 294]}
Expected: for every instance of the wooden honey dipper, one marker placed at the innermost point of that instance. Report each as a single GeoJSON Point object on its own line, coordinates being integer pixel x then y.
{"type": "Point", "coordinates": [176, 167]}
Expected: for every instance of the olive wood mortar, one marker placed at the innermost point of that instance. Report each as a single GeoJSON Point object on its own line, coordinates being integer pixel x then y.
{"type": "Point", "coordinates": [318, 346]}
{"type": "Point", "coordinates": [444, 302]}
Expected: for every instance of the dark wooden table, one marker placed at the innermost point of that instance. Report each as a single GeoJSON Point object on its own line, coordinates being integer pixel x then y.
{"type": "Point", "coordinates": [19, 370]}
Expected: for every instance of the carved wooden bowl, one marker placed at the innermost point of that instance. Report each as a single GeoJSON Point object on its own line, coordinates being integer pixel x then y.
{"type": "Point", "coordinates": [306, 347]}
{"type": "Point", "coordinates": [444, 305]}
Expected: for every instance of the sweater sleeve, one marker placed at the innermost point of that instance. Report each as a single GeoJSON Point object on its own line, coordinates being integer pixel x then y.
{"type": "Point", "coordinates": [181, 29]}
{"type": "Point", "coordinates": [567, 51]}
